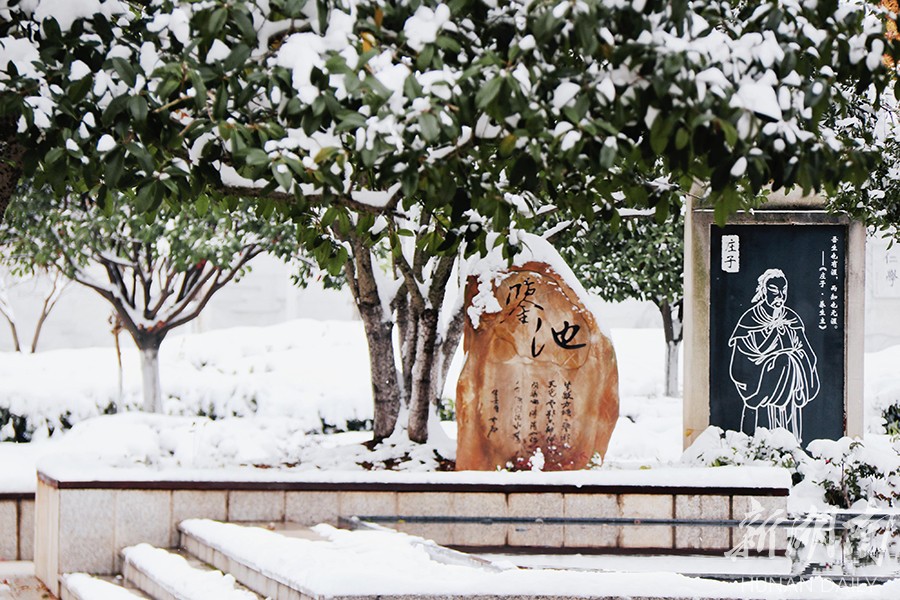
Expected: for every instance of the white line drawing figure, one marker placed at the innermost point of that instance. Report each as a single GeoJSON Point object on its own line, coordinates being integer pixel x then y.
{"type": "Point", "coordinates": [773, 366]}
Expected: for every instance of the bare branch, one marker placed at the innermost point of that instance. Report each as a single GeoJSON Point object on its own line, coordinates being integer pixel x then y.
{"type": "Point", "coordinates": [247, 254]}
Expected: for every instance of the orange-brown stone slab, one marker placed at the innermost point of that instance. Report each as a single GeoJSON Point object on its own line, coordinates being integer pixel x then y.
{"type": "Point", "coordinates": [539, 374]}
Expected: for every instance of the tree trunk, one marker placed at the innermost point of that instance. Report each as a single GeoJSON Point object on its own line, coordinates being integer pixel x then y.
{"type": "Point", "coordinates": [672, 368]}
{"type": "Point", "coordinates": [12, 155]}
{"type": "Point", "coordinates": [449, 345]}
{"type": "Point", "coordinates": [423, 393]}
{"type": "Point", "coordinates": [386, 391]}
{"type": "Point", "coordinates": [49, 303]}
{"type": "Point", "coordinates": [673, 330]}
{"type": "Point", "coordinates": [15, 336]}
{"type": "Point", "coordinates": [407, 327]}
{"type": "Point", "coordinates": [120, 389]}
{"type": "Point", "coordinates": [149, 348]}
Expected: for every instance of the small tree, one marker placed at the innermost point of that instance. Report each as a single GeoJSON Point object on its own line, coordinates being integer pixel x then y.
{"type": "Point", "coordinates": [639, 259]}
{"type": "Point", "coordinates": [157, 273]}
{"type": "Point", "coordinates": [29, 274]}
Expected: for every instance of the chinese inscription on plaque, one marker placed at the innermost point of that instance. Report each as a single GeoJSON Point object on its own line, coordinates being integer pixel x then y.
{"type": "Point", "coordinates": [539, 375]}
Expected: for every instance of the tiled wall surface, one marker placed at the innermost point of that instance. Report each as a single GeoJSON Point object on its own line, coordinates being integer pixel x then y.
{"type": "Point", "coordinates": [85, 529]}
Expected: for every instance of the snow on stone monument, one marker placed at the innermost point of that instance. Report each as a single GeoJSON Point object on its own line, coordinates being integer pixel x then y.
{"type": "Point", "coordinates": [539, 388]}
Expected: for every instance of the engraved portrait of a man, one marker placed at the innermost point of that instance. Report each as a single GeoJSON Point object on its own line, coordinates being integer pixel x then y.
{"type": "Point", "coordinates": [772, 365]}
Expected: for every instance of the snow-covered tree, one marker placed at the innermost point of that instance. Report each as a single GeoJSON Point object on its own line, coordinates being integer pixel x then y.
{"type": "Point", "coordinates": [421, 128]}
{"type": "Point", "coordinates": [640, 259]}
{"type": "Point", "coordinates": [157, 273]}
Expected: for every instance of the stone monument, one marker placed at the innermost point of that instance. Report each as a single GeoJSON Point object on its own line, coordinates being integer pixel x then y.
{"type": "Point", "coordinates": [539, 387]}
{"type": "Point", "coordinates": [774, 321]}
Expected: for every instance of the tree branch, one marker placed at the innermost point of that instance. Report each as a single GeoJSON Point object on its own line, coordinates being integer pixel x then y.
{"type": "Point", "coordinates": [247, 254]}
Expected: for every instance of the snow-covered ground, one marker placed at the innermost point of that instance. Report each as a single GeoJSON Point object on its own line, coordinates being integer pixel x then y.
{"type": "Point", "coordinates": [293, 378]}
{"type": "Point", "coordinates": [296, 376]}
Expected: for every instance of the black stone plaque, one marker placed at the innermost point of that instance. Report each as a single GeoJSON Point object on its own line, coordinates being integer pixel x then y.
{"type": "Point", "coordinates": [777, 317]}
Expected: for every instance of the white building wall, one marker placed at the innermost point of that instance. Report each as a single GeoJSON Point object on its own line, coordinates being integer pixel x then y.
{"type": "Point", "coordinates": [882, 294]}
{"type": "Point", "coordinates": [266, 296]}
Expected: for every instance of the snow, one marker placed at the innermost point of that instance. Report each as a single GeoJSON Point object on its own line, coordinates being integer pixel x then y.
{"type": "Point", "coordinates": [759, 98]}
{"type": "Point", "coordinates": [83, 585]}
{"type": "Point", "coordinates": [298, 373]}
{"type": "Point", "coordinates": [701, 565]}
{"type": "Point", "coordinates": [534, 248]}
{"type": "Point", "coordinates": [174, 572]}
{"type": "Point", "coordinates": [424, 26]}
{"type": "Point", "coordinates": [564, 94]}
{"type": "Point", "coordinates": [375, 198]}
{"type": "Point", "coordinates": [357, 563]}
{"type": "Point", "coordinates": [80, 466]}
{"type": "Point", "coordinates": [22, 53]}
{"type": "Point", "coordinates": [66, 12]}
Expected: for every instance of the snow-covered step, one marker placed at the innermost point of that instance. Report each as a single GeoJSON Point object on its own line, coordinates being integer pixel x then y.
{"type": "Point", "coordinates": [388, 565]}
{"type": "Point", "coordinates": [166, 575]}
{"type": "Point", "coordinates": [81, 586]}
{"type": "Point", "coordinates": [219, 545]}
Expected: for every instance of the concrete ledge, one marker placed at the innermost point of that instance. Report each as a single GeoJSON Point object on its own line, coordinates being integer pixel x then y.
{"type": "Point", "coordinates": [83, 523]}
{"type": "Point", "coordinates": [16, 526]}
{"type": "Point", "coordinates": [64, 473]}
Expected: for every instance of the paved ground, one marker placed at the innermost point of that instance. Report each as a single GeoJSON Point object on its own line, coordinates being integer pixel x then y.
{"type": "Point", "coordinates": [17, 582]}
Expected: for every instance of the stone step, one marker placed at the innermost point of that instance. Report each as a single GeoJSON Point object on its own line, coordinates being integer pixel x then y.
{"type": "Point", "coordinates": [81, 586]}
{"type": "Point", "coordinates": [242, 568]}
{"type": "Point", "coordinates": [170, 575]}
{"type": "Point", "coordinates": [284, 562]}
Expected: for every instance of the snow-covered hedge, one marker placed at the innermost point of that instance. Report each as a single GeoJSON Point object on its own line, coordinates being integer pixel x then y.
{"type": "Point", "coordinates": [851, 471]}
{"type": "Point", "coordinates": [777, 447]}
{"type": "Point", "coordinates": [313, 372]}
{"type": "Point", "coordinates": [845, 473]}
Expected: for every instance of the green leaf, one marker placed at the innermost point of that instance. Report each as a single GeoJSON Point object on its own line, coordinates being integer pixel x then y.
{"type": "Point", "coordinates": [79, 89]}
{"type": "Point", "coordinates": [282, 174]}
{"type": "Point", "coordinates": [423, 61]}
{"type": "Point", "coordinates": [409, 182]}
{"type": "Point", "coordinates": [137, 105]}
{"type": "Point", "coordinates": [237, 58]}
{"type": "Point", "coordinates": [220, 105]}
{"type": "Point", "coordinates": [508, 144]}
{"type": "Point", "coordinates": [51, 29]}
{"type": "Point", "coordinates": [431, 128]}
{"type": "Point", "coordinates": [411, 87]}
{"type": "Point", "coordinates": [115, 166]}
{"type": "Point", "coordinates": [729, 131]}
{"type": "Point", "coordinates": [449, 44]}
{"type": "Point", "coordinates": [202, 205]}
{"type": "Point", "coordinates": [256, 157]}
{"type": "Point", "coordinates": [351, 120]}
{"type": "Point", "coordinates": [143, 200]}
{"type": "Point", "coordinates": [608, 154]}
{"type": "Point", "coordinates": [244, 24]}
{"type": "Point", "coordinates": [659, 134]}
{"type": "Point", "coordinates": [143, 156]}
{"type": "Point", "coordinates": [199, 89]}
{"type": "Point", "coordinates": [325, 154]}
{"type": "Point", "coordinates": [682, 137]}
{"type": "Point", "coordinates": [167, 87]}
{"type": "Point", "coordinates": [487, 93]}
{"type": "Point", "coordinates": [54, 156]}
{"type": "Point", "coordinates": [216, 22]}
{"type": "Point", "coordinates": [125, 71]}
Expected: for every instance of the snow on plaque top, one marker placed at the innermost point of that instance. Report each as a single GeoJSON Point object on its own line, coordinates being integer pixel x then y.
{"type": "Point", "coordinates": [539, 388]}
